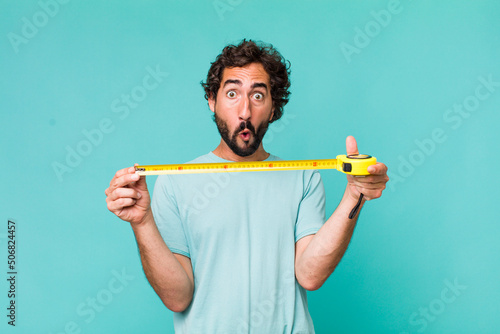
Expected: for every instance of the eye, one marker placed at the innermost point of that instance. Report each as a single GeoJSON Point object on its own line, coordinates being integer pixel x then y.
{"type": "Point", "coordinates": [231, 94]}
{"type": "Point", "coordinates": [258, 96]}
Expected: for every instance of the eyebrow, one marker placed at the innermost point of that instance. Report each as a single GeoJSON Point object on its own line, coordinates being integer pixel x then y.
{"type": "Point", "coordinates": [238, 82]}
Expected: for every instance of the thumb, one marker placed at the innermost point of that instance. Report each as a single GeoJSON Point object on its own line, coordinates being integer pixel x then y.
{"type": "Point", "coordinates": [141, 183]}
{"type": "Point", "coordinates": [351, 146]}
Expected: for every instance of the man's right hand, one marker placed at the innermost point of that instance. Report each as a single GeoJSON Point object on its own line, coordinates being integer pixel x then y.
{"type": "Point", "coordinates": [128, 196]}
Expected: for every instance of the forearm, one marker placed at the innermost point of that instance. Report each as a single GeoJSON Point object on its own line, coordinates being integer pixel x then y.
{"type": "Point", "coordinates": [327, 247]}
{"type": "Point", "coordinates": [163, 271]}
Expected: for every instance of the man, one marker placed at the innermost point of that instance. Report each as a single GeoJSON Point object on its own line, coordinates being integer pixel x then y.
{"type": "Point", "coordinates": [236, 252]}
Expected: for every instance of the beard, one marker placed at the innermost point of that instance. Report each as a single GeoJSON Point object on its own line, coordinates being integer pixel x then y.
{"type": "Point", "coordinates": [248, 148]}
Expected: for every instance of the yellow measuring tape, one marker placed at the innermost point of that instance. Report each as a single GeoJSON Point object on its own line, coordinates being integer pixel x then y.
{"type": "Point", "coordinates": [355, 164]}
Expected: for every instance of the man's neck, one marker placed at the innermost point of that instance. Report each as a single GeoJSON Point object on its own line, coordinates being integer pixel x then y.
{"type": "Point", "coordinates": [224, 152]}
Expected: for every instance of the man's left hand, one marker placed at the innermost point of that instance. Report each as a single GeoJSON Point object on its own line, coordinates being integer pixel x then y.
{"type": "Point", "coordinates": [371, 186]}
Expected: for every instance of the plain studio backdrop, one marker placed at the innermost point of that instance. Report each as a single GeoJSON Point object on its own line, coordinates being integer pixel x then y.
{"type": "Point", "coordinates": [90, 87]}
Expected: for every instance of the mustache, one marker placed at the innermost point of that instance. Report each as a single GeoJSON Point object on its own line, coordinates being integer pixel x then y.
{"type": "Point", "coordinates": [247, 125]}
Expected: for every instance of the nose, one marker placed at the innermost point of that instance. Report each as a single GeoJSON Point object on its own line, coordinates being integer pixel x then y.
{"type": "Point", "coordinates": [245, 111]}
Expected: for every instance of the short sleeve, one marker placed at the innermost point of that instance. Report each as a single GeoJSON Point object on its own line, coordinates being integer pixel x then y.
{"type": "Point", "coordinates": [167, 217]}
{"type": "Point", "coordinates": [311, 212]}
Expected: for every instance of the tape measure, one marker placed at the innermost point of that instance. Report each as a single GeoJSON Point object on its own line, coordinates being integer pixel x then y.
{"type": "Point", "coordinates": [354, 164]}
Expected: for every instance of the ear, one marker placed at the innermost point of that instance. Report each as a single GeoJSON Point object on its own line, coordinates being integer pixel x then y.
{"type": "Point", "coordinates": [272, 114]}
{"type": "Point", "coordinates": [211, 103]}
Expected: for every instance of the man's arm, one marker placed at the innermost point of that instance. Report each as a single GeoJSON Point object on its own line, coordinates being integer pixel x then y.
{"type": "Point", "coordinates": [170, 275]}
{"type": "Point", "coordinates": [317, 256]}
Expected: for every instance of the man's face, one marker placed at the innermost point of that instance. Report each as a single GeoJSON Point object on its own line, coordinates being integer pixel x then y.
{"type": "Point", "coordinates": [243, 107]}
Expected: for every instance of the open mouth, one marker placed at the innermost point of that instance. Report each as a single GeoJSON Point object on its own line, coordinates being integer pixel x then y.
{"type": "Point", "coordinates": [245, 135]}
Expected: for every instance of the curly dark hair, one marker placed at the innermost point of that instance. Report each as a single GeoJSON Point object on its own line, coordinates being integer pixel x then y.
{"type": "Point", "coordinates": [247, 52]}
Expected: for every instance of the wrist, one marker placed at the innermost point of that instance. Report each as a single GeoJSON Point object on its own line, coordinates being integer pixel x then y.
{"type": "Point", "coordinates": [351, 202]}
{"type": "Point", "coordinates": [146, 222]}
{"type": "Point", "coordinates": [351, 195]}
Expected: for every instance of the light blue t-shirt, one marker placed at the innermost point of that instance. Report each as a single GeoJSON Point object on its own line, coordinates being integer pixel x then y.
{"type": "Point", "coordinates": [240, 229]}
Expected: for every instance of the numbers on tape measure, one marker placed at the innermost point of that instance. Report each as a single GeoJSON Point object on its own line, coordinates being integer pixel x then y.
{"type": "Point", "coordinates": [355, 164]}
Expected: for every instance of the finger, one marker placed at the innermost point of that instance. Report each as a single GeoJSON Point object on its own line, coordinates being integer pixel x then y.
{"type": "Point", "coordinates": [377, 169]}
{"type": "Point", "coordinates": [118, 175]}
{"type": "Point", "coordinates": [351, 146]}
{"type": "Point", "coordinates": [124, 193]}
{"type": "Point", "coordinates": [370, 186]}
{"type": "Point", "coordinates": [120, 203]}
{"type": "Point", "coordinates": [370, 191]}
{"type": "Point", "coordinates": [374, 178]}
{"type": "Point", "coordinates": [124, 171]}
{"type": "Point", "coordinates": [124, 180]}
{"type": "Point", "coordinates": [141, 184]}
{"type": "Point", "coordinates": [369, 178]}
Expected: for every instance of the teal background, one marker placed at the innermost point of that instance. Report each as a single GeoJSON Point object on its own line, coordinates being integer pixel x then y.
{"type": "Point", "coordinates": [434, 223]}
